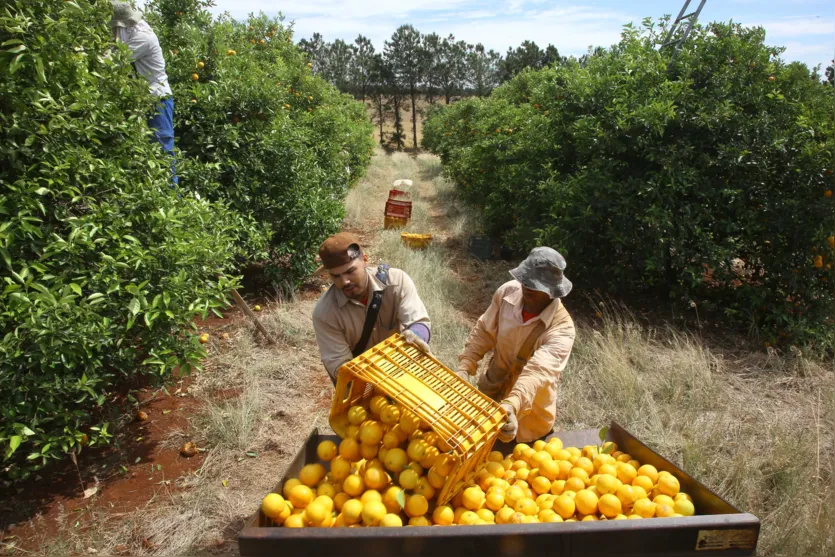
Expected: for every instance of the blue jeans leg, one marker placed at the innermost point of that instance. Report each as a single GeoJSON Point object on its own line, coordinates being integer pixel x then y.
{"type": "Point", "coordinates": [162, 123]}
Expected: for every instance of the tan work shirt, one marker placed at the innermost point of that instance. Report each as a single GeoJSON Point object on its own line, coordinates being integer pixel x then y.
{"type": "Point", "coordinates": [338, 320]}
{"type": "Point", "coordinates": [501, 329]}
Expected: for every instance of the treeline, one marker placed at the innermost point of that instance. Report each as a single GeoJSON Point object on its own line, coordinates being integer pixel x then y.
{"type": "Point", "coordinates": [413, 64]}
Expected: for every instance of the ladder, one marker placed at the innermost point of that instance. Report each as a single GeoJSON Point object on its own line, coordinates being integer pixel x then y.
{"type": "Point", "coordinates": [677, 24]}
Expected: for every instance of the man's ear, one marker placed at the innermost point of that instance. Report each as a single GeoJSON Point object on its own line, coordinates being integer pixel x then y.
{"type": "Point", "coordinates": [365, 258]}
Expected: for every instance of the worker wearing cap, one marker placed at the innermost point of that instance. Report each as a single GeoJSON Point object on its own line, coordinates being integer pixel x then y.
{"type": "Point", "coordinates": [359, 291]}
{"type": "Point", "coordinates": [531, 334]}
{"type": "Point", "coordinates": [146, 55]}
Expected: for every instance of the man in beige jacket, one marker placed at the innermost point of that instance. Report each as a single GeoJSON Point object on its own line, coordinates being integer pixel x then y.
{"type": "Point", "coordinates": [364, 305]}
{"type": "Point", "coordinates": [531, 335]}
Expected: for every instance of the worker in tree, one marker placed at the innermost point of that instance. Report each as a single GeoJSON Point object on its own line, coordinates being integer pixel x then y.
{"type": "Point", "coordinates": [531, 334]}
{"type": "Point", "coordinates": [146, 56]}
{"type": "Point", "coordinates": [364, 305]}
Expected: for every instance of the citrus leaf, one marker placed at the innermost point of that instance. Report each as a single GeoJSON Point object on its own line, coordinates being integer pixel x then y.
{"type": "Point", "coordinates": [401, 499]}
{"type": "Point", "coordinates": [14, 443]}
{"type": "Point", "coordinates": [603, 433]}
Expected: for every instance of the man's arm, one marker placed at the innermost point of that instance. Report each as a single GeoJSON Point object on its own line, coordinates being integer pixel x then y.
{"type": "Point", "coordinates": [544, 367]}
{"type": "Point", "coordinates": [411, 313]}
{"type": "Point", "coordinates": [333, 348]}
{"type": "Point", "coordinates": [482, 337]}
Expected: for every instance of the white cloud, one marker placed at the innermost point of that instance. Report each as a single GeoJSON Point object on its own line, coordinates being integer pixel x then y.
{"type": "Point", "coordinates": [796, 27]}
{"type": "Point", "coordinates": [337, 8]}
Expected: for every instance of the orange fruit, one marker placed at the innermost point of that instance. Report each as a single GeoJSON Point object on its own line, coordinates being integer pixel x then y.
{"type": "Point", "coordinates": [443, 515]}
{"type": "Point", "coordinates": [326, 451]}
{"type": "Point", "coordinates": [564, 506]}
{"type": "Point", "coordinates": [273, 505]}
{"type": "Point", "coordinates": [349, 449]}
{"type": "Point", "coordinates": [609, 505]}
{"type": "Point", "coordinates": [353, 485]}
{"type": "Point", "coordinates": [375, 478]}
{"type": "Point", "coordinates": [586, 502]}
{"type": "Point", "coordinates": [395, 460]}
{"type": "Point", "coordinates": [416, 505]}
{"type": "Point", "coordinates": [373, 512]}
{"type": "Point", "coordinates": [371, 433]}
{"type": "Point", "coordinates": [541, 485]}
{"type": "Point", "coordinates": [390, 414]}
{"type": "Point", "coordinates": [301, 496]}
{"type": "Point", "coordinates": [574, 484]}
{"type": "Point", "coordinates": [495, 500]}
{"type": "Point", "coordinates": [644, 508]}
{"type": "Point", "coordinates": [357, 415]}
{"type": "Point", "coordinates": [669, 485]}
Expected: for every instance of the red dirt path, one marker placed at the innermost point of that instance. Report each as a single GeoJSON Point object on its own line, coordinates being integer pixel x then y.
{"type": "Point", "coordinates": [142, 466]}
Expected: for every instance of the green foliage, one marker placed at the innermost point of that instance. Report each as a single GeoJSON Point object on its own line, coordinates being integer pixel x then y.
{"type": "Point", "coordinates": [103, 263]}
{"type": "Point", "coordinates": [707, 181]}
{"type": "Point", "coordinates": [258, 130]}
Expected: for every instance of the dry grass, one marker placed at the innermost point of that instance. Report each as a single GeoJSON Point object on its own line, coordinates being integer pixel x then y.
{"type": "Point", "coordinates": [752, 427]}
{"type": "Point", "coordinates": [757, 428]}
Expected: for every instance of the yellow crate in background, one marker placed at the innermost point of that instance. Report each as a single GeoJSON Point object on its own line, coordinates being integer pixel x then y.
{"type": "Point", "coordinates": [466, 421]}
{"type": "Point", "coordinates": [395, 222]}
{"type": "Point", "coordinates": [417, 241]}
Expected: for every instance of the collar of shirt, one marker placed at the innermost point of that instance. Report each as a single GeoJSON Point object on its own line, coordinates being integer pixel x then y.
{"type": "Point", "coordinates": [342, 299]}
{"type": "Point", "coordinates": [514, 298]}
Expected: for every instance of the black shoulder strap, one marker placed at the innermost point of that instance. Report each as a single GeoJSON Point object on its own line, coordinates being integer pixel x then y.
{"type": "Point", "coordinates": [373, 311]}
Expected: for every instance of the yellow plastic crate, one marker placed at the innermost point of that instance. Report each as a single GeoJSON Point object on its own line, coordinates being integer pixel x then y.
{"type": "Point", "coordinates": [395, 222]}
{"type": "Point", "coordinates": [465, 420]}
{"type": "Point", "coordinates": [418, 241]}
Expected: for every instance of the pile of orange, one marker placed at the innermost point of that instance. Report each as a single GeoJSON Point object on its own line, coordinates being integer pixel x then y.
{"type": "Point", "coordinates": [389, 468]}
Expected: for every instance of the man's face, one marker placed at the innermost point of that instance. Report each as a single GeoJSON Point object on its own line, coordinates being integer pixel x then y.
{"type": "Point", "coordinates": [351, 278]}
{"type": "Point", "coordinates": [534, 298]}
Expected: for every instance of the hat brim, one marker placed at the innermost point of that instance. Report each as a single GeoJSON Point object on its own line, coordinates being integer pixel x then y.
{"type": "Point", "coordinates": [135, 18]}
{"type": "Point", "coordinates": [560, 290]}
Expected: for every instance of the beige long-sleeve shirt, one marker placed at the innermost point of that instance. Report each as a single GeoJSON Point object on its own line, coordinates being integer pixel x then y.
{"type": "Point", "coordinates": [501, 329]}
{"type": "Point", "coordinates": [338, 320]}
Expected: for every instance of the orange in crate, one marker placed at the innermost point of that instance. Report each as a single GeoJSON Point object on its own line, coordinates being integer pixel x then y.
{"type": "Point", "coordinates": [465, 421]}
{"type": "Point", "coordinates": [395, 222]}
{"type": "Point", "coordinates": [418, 241]}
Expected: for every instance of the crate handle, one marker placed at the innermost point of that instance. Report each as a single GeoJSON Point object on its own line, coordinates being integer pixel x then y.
{"type": "Point", "coordinates": [348, 389]}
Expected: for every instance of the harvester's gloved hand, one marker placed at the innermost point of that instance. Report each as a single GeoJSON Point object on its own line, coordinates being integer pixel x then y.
{"type": "Point", "coordinates": [412, 338]}
{"type": "Point", "coordinates": [463, 372]}
{"type": "Point", "coordinates": [508, 432]}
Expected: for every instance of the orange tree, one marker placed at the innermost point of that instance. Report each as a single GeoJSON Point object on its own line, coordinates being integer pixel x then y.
{"type": "Point", "coordinates": [103, 264]}
{"type": "Point", "coordinates": [708, 181]}
{"type": "Point", "coordinates": [255, 128]}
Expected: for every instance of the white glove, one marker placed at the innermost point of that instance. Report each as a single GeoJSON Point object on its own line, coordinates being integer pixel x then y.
{"type": "Point", "coordinates": [463, 372]}
{"type": "Point", "coordinates": [412, 338]}
{"type": "Point", "coordinates": [508, 432]}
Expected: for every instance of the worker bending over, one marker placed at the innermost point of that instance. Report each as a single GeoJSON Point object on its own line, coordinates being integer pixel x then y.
{"type": "Point", "coordinates": [364, 305]}
{"type": "Point", "coordinates": [531, 335]}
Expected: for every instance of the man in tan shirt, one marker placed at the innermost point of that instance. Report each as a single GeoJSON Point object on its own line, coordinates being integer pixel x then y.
{"type": "Point", "coordinates": [531, 335]}
{"type": "Point", "coordinates": [340, 314]}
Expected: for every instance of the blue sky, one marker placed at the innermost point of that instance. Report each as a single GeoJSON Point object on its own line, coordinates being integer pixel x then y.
{"type": "Point", "coordinates": [805, 27]}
